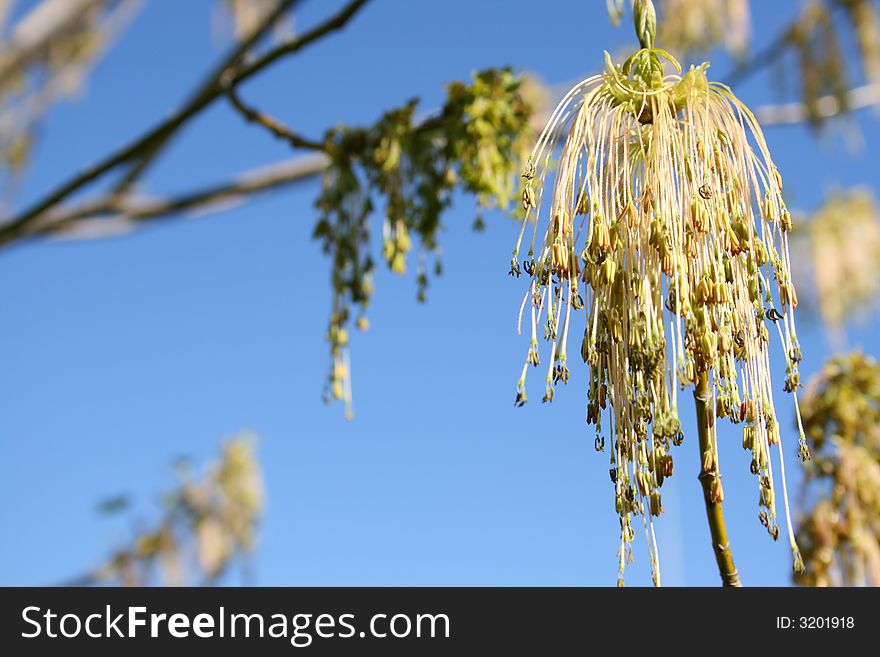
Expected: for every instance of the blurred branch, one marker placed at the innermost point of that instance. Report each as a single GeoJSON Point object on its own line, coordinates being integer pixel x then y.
{"type": "Point", "coordinates": [117, 215]}
{"type": "Point", "coordinates": [825, 107]}
{"type": "Point", "coordinates": [270, 123]}
{"type": "Point", "coordinates": [207, 524]}
{"type": "Point", "coordinates": [143, 149]}
{"type": "Point", "coordinates": [66, 76]}
{"type": "Point", "coordinates": [294, 45]}
{"type": "Point", "coordinates": [36, 30]}
{"type": "Point", "coordinates": [112, 218]}
{"type": "Point", "coordinates": [766, 57]}
{"type": "Point", "coordinates": [204, 95]}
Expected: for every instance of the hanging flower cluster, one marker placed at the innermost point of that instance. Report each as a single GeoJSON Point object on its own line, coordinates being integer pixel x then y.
{"type": "Point", "coordinates": [840, 532]}
{"type": "Point", "coordinates": [843, 288]}
{"type": "Point", "coordinates": [663, 222]}
{"type": "Point", "coordinates": [409, 169]}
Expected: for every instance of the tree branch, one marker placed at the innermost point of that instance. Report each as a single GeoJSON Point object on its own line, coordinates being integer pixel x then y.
{"type": "Point", "coordinates": [270, 123]}
{"type": "Point", "coordinates": [144, 147]}
{"type": "Point", "coordinates": [764, 58]}
{"type": "Point", "coordinates": [107, 217]}
{"type": "Point", "coordinates": [337, 22]}
{"type": "Point", "coordinates": [826, 107]}
{"type": "Point", "coordinates": [207, 91]}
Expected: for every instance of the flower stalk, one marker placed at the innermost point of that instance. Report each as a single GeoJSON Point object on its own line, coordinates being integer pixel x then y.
{"type": "Point", "coordinates": [713, 494]}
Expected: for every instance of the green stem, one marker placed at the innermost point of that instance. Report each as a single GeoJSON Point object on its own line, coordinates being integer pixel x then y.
{"type": "Point", "coordinates": [708, 476]}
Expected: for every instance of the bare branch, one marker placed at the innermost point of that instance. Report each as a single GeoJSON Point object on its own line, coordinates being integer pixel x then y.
{"type": "Point", "coordinates": [206, 92]}
{"type": "Point", "coordinates": [143, 149]}
{"type": "Point", "coordinates": [270, 123]}
{"type": "Point", "coordinates": [826, 107]}
{"type": "Point", "coordinates": [289, 47]}
{"type": "Point", "coordinates": [108, 217]}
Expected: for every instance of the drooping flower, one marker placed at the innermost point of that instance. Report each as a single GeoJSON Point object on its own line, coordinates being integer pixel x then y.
{"type": "Point", "coordinates": [656, 210]}
{"type": "Point", "coordinates": [698, 25]}
{"type": "Point", "coordinates": [840, 531]}
{"type": "Point", "coordinates": [844, 288]}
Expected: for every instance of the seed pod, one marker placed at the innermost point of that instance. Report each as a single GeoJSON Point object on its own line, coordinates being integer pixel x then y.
{"type": "Point", "coordinates": [632, 215]}
{"type": "Point", "coordinates": [767, 497]}
{"type": "Point", "coordinates": [785, 221]}
{"type": "Point", "coordinates": [717, 494]}
{"type": "Point", "coordinates": [760, 252]}
{"type": "Point", "coordinates": [560, 256]}
{"type": "Point", "coordinates": [583, 205]}
{"type": "Point", "coordinates": [769, 208]}
{"type": "Point", "coordinates": [643, 482]}
{"type": "Point", "coordinates": [608, 269]}
{"type": "Point", "coordinates": [708, 461]}
{"type": "Point", "coordinates": [772, 431]}
{"type": "Point", "coordinates": [748, 440]}
{"type": "Point", "coordinates": [709, 344]}
{"type": "Point", "coordinates": [528, 197]}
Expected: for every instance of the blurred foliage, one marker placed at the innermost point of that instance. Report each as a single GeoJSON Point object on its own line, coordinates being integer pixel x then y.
{"type": "Point", "coordinates": [865, 21]}
{"type": "Point", "coordinates": [839, 256]}
{"type": "Point", "coordinates": [840, 533]}
{"type": "Point", "coordinates": [206, 524]}
{"type": "Point", "coordinates": [826, 66]}
{"type": "Point", "coordinates": [822, 66]}
{"type": "Point", "coordinates": [246, 16]}
{"type": "Point", "coordinates": [44, 56]}
{"type": "Point", "coordinates": [819, 37]}
{"type": "Point", "coordinates": [689, 27]}
{"type": "Point", "coordinates": [410, 168]}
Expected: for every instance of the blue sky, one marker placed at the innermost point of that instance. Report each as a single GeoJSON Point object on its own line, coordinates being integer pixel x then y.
{"type": "Point", "coordinates": [120, 355]}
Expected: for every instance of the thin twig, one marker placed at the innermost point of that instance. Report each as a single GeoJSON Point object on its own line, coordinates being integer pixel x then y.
{"type": "Point", "coordinates": [769, 55]}
{"type": "Point", "coordinates": [714, 509]}
{"type": "Point", "coordinates": [337, 22]}
{"type": "Point", "coordinates": [826, 107]}
{"type": "Point", "coordinates": [270, 123]}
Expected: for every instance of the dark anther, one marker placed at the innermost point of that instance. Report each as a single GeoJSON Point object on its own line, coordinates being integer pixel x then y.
{"type": "Point", "coordinates": [773, 314]}
{"type": "Point", "coordinates": [613, 473]}
{"type": "Point", "coordinates": [706, 192]}
{"type": "Point", "coordinates": [600, 444]}
{"type": "Point", "coordinates": [514, 268]}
